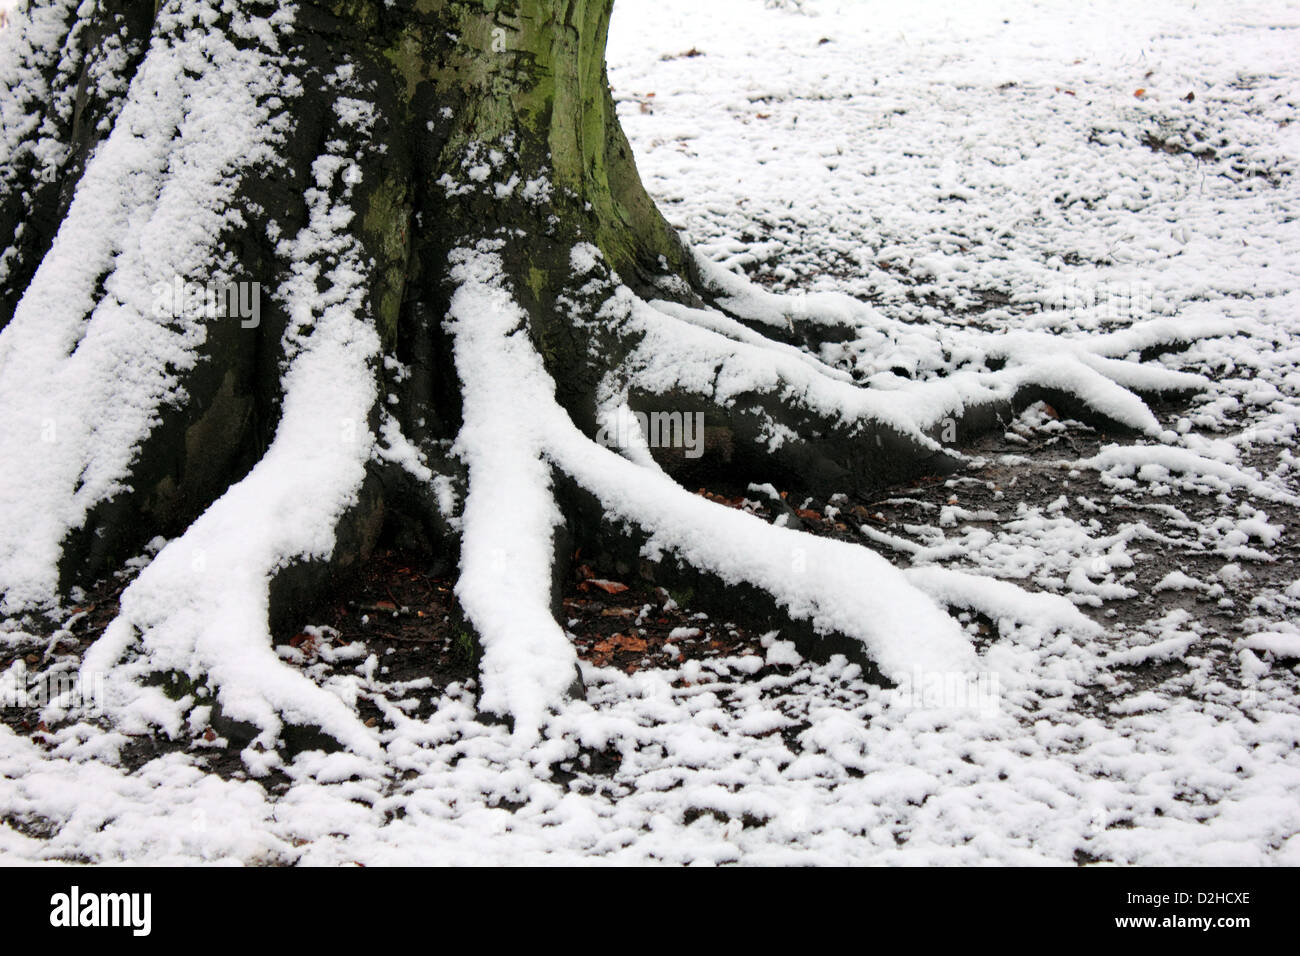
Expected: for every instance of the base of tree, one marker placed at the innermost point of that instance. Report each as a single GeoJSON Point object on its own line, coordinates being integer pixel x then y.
{"type": "Point", "coordinates": [474, 328]}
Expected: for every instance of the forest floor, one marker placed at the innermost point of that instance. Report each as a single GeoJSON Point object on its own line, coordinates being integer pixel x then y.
{"type": "Point", "coordinates": [1035, 167]}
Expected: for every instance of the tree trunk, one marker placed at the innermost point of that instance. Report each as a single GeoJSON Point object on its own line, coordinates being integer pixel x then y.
{"type": "Point", "coordinates": [464, 298]}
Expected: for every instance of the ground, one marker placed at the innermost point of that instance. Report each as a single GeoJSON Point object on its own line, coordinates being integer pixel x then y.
{"type": "Point", "coordinates": [1029, 169]}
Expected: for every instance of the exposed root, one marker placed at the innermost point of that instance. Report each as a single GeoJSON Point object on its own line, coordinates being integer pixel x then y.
{"type": "Point", "coordinates": [510, 515]}
{"type": "Point", "coordinates": [202, 608]}
{"type": "Point", "coordinates": [514, 427]}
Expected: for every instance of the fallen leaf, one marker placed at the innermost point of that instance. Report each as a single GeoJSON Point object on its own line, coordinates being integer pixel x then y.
{"type": "Point", "coordinates": [1140, 92]}
{"type": "Point", "coordinates": [609, 587]}
{"type": "Point", "coordinates": [621, 642]}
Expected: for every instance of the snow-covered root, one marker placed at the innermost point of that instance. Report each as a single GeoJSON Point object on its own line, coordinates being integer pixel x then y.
{"type": "Point", "coordinates": [202, 607]}
{"type": "Point", "coordinates": [836, 587]}
{"type": "Point", "coordinates": [803, 417]}
{"type": "Point", "coordinates": [39, 57]}
{"type": "Point", "coordinates": [515, 431]}
{"type": "Point", "coordinates": [1101, 374]}
{"type": "Point", "coordinates": [1007, 605]}
{"type": "Point", "coordinates": [87, 369]}
{"type": "Point", "coordinates": [510, 515]}
{"type": "Point", "coordinates": [676, 355]}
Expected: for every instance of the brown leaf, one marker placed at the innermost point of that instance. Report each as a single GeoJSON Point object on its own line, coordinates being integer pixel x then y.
{"type": "Point", "coordinates": [632, 643]}
{"type": "Point", "coordinates": [628, 643]}
{"type": "Point", "coordinates": [609, 587]}
{"type": "Point", "coordinates": [1140, 92]}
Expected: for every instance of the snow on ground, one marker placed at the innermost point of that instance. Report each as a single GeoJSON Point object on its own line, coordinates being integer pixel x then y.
{"type": "Point", "coordinates": [976, 165]}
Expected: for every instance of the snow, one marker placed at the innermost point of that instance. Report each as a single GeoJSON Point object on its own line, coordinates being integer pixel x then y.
{"type": "Point", "coordinates": [1277, 644]}
{"type": "Point", "coordinates": [1178, 581]}
{"type": "Point", "coordinates": [922, 157]}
